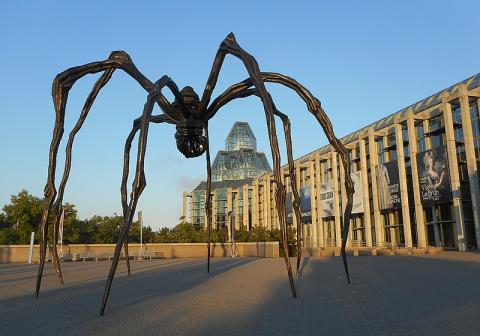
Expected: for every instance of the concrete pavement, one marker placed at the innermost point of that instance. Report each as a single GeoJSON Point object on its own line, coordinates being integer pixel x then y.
{"type": "Point", "coordinates": [394, 295]}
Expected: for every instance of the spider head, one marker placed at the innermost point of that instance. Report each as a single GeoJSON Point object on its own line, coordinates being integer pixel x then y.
{"type": "Point", "coordinates": [190, 139]}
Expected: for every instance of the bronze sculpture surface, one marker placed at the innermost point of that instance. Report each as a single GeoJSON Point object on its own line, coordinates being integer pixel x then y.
{"type": "Point", "coordinates": [190, 115]}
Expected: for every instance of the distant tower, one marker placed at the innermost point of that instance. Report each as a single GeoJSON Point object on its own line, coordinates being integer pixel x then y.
{"type": "Point", "coordinates": [240, 158]}
{"type": "Point", "coordinates": [240, 137]}
{"type": "Point", "coordinates": [238, 165]}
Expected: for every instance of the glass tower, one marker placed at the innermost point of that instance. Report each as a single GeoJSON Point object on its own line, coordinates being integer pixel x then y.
{"type": "Point", "coordinates": [233, 167]}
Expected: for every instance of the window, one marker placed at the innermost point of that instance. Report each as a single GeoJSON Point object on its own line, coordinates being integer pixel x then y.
{"type": "Point", "coordinates": [391, 147]}
{"type": "Point", "coordinates": [437, 131]}
{"type": "Point", "coordinates": [474, 113]}
{"type": "Point", "coordinates": [381, 154]}
{"type": "Point", "coordinates": [420, 136]}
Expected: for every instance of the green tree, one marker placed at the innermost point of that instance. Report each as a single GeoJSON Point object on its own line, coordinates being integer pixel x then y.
{"type": "Point", "coordinates": [23, 214]}
{"type": "Point", "coordinates": [8, 236]}
{"type": "Point", "coordinates": [80, 232]}
{"type": "Point", "coordinates": [187, 233]}
{"type": "Point", "coordinates": [134, 234]}
{"type": "Point", "coordinates": [70, 223]}
{"type": "Point", "coordinates": [3, 221]}
{"type": "Point", "coordinates": [276, 235]}
{"type": "Point", "coordinates": [107, 228]}
{"type": "Point", "coordinates": [242, 235]}
{"type": "Point", "coordinates": [162, 236]}
{"type": "Point", "coordinates": [20, 218]}
{"type": "Point", "coordinates": [259, 234]}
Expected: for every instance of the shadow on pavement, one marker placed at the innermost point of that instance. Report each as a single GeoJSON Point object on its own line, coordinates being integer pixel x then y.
{"type": "Point", "coordinates": [74, 308]}
{"type": "Point", "coordinates": [388, 296]}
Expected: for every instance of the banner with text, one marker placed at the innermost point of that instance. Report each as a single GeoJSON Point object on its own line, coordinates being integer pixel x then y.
{"type": "Point", "coordinates": [434, 176]}
{"type": "Point", "coordinates": [358, 194]}
{"type": "Point", "coordinates": [388, 185]}
{"type": "Point", "coordinates": [289, 208]}
{"type": "Point", "coordinates": [326, 199]}
{"type": "Point", "coordinates": [305, 206]}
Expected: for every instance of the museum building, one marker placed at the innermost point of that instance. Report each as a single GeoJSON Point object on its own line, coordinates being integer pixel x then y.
{"type": "Point", "coordinates": [234, 168]}
{"type": "Point", "coordinates": [415, 174]}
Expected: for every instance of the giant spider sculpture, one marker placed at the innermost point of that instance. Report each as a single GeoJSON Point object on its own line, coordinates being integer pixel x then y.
{"type": "Point", "coordinates": [190, 115]}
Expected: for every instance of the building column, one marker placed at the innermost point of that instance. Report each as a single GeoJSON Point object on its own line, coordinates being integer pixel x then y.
{"type": "Point", "coordinates": [290, 190]}
{"type": "Point", "coordinates": [313, 202]}
{"type": "Point", "coordinates": [389, 213]}
{"type": "Point", "coordinates": [266, 202]}
{"type": "Point", "coordinates": [379, 228]}
{"type": "Point", "coordinates": [343, 196]}
{"type": "Point", "coordinates": [184, 209]}
{"type": "Point", "coordinates": [234, 210]}
{"type": "Point", "coordinates": [214, 211]}
{"type": "Point", "coordinates": [229, 200]}
{"type": "Point", "coordinates": [454, 176]}
{"type": "Point", "coordinates": [354, 223]}
{"type": "Point", "coordinates": [274, 219]}
{"type": "Point", "coordinates": [190, 207]}
{"type": "Point", "coordinates": [471, 160]}
{"type": "Point", "coordinates": [366, 193]}
{"type": "Point", "coordinates": [284, 180]}
{"type": "Point", "coordinates": [431, 208]}
{"type": "Point", "coordinates": [318, 219]}
{"type": "Point", "coordinates": [245, 207]}
{"type": "Point", "coordinates": [237, 209]}
{"type": "Point", "coordinates": [407, 228]}
{"type": "Point", "coordinates": [336, 197]}
{"type": "Point", "coordinates": [298, 175]}
{"type": "Point", "coordinates": [419, 216]}
{"type": "Point", "coordinates": [255, 204]}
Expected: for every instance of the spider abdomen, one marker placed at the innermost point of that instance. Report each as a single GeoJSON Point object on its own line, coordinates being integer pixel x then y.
{"type": "Point", "coordinates": [190, 139]}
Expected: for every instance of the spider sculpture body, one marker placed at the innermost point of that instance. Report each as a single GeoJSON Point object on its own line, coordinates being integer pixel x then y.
{"type": "Point", "coordinates": [190, 114]}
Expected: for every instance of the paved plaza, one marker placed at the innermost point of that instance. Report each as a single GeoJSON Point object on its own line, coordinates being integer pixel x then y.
{"type": "Point", "coordinates": [394, 295]}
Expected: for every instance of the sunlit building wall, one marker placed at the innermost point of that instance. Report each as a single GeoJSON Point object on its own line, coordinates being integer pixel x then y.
{"type": "Point", "coordinates": [416, 175]}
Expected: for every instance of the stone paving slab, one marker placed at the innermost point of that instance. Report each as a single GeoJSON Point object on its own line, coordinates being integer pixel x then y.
{"type": "Point", "coordinates": [394, 295]}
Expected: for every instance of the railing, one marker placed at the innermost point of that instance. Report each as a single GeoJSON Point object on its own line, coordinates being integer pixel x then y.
{"type": "Point", "coordinates": [95, 256]}
{"type": "Point", "coordinates": [147, 255]}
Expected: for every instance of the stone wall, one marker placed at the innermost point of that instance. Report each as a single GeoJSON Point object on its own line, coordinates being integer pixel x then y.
{"type": "Point", "coordinates": [19, 253]}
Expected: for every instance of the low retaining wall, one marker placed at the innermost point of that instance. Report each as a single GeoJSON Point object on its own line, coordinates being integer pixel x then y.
{"type": "Point", "coordinates": [19, 253]}
{"type": "Point", "coordinates": [365, 251]}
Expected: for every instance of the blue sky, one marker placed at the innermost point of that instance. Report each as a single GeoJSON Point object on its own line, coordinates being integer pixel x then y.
{"type": "Point", "coordinates": [362, 59]}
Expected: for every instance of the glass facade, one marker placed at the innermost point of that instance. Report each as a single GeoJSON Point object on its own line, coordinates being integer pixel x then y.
{"type": "Point", "coordinates": [232, 168]}
{"type": "Point", "coordinates": [240, 160]}
{"type": "Point", "coordinates": [240, 137]}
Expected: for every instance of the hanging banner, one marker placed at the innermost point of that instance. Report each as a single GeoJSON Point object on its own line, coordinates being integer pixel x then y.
{"type": "Point", "coordinates": [434, 176]}
{"type": "Point", "coordinates": [305, 206]}
{"type": "Point", "coordinates": [326, 199]}
{"type": "Point", "coordinates": [388, 184]}
{"type": "Point", "coordinates": [289, 208]}
{"type": "Point", "coordinates": [357, 207]}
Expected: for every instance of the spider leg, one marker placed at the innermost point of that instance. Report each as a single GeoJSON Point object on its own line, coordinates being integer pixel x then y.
{"type": "Point", "coordinates": [242, 93]}
{"type": "Point", "coordinates": [61, 86]}
{"type": "Point", "coordinates": [126, 167]}
{"type": "Point", "coordinates": [139, 181]}
{"type": "Point", "coordinates": [230, 46]}
{"type": "Point", "coordinates": [313, 104]}
{"type": "Point", "coordinates": [293, 183]}
{"type": "Point", "coordinates": [208, 198]}
{"type": "Point", "coordinates": [57, 206]}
